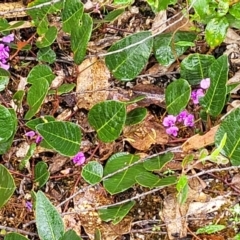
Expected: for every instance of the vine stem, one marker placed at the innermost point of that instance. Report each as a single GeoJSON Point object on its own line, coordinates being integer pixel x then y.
{"type": "Point", "coordinates": [17, 230]}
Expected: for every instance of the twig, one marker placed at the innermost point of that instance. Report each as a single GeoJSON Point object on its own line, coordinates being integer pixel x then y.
{"type": "Point", "coordinates": [17, 230]}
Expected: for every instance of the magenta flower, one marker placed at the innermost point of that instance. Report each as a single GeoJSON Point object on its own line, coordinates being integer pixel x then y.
{"type": "Point", "coordinates": [169, 121]}
{"type": "Point", "coordinates": [30, 134]}
{"type": "Point", "coordinates": [182, 115]}
{"type": "Point", "coordinates": [4, 66]}
{"type": "Point", "coordinates": [205, 83]}
{"type": "Point", "coordinates": [38, 139]}
{"type": "Point", "coordinates": [9, 38]}
{"type": "Point", "coordinates": [196, 94]}
{"type": "Point", "coordinates": [79, 158]}
{"type": "Point", "coordinates": [189, 120]}
{"type": "Point", "coordinates": [28, 205]}
{"type": "Point", "coordinates": [4, 52]}
{"type": "Point", "coordinates": [172, 131]}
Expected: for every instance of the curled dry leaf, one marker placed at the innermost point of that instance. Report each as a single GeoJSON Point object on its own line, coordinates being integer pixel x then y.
{"type": "Point", "coordinates": [142, 136]}
{"type": "Point", "coordinates": [199, 141]}
{"type": "Point", "coordinates": [90, 220]}
{"type": "Point", "coordinates": [92, 83]}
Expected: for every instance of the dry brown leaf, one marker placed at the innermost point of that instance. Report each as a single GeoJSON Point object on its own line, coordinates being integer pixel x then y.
{"type": "Point", "coordinates": [58, 162]}
{"type": "Point", "coordinates": [199, 141]}
{"type": "Point", "coordinates": [90, 219]}
{"type": "Point", "coordinates": [143, 135]}
{"type": "Point", "coordinates": [5, 8]}
{"type": "Point", "coordinates": [92, 83]}
{"type": "Point", "coordinates": [231, 37]}
{"type": "Point", "coordinates": [159, 22]}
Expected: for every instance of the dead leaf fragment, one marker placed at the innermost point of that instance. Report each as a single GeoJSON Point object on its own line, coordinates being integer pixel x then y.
{"type": "Point", "coordinates": [199, 141]}
{"type": "Point", "coordinates": [92, 83]}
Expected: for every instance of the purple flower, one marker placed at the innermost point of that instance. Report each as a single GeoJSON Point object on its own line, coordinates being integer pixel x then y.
{"type": "Point", "coordinates": [39, 139]}
{"type": "Point", "coordinates": [28, 205]}
{"type": "Point", "coordinates": [4, 52]}
{"type": "Point", "coordinates": [205, 83]}
{"type": "Point", "coordinates": [30, 134]}
{"type": "Point", "coordinates": [196, 94]}
{"type": "Point", "coordinates": [79, 158]}
{"type": "Point", "coordinates": [169, 121]}
{"type": "Point", "coordinates": [189, 120]}
{"type": "Point", "coordinates": [4, 66]}
{"type": "Point", "coordinates": [172, 131]}
{"type": "Point", "coordinates": [9, 38]}
{"type": "Point", "coordinates": [182, 115]}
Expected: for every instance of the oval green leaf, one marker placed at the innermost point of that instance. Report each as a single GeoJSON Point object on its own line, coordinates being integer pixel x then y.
{"type": "Point", "coordinates": [126, 64]}
{"type": "Point", "coordinates": [117, 213]}
{"type": "Point", "coordinates": [165, 49]}
{"type": "Point", "coordinates": [211, 229]}
{"type": "Point", "coordinates": [215, 97]}
{"type": "Point", "coordinates": [41, 173]}
{"type": "Point", "coordinates": [70, 234]}
{"type": "Point", "coordinates": [64, 137]}
{"type": "Point", "coordinates": [92, 172]}
{"type": "Point", "coordinates": [46, 55]}
{"type": "Point", "coordinates": [7, 185]}
{"type": "Point", "coordinates": [34, 122]}
{"type": "Point", "coordinates": [177, 96]}
{"type": "Point", "coordinates": [4, 79]}
{"type": "Point", "coordinates": [15, 236]}
{"type": "Point", "coordinates": [136, 116]}
{"type": "Point", "coordinates": [108, 119]}
{"type": "Point", "coordinates": [125, 179]}
{"type": "Point", "coordinates": [48, 38]}
{"type": "Point", "coordinates": [230, 126]}
{"type": "Point", "coordinates": [49, 222]}
{"type": "Point", "coordinates": [235, 10]}
{"type": "Point", "coordinates": [195, 67]}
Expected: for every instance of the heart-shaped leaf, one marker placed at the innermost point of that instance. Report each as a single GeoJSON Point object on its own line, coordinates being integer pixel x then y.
{"type": "Point", "coordinates": [165, 49]}
{"type": "Point", "coordinates": [7, 185]}
{"type": "Point", "coordinates": [214, 100]}
{"type": "Point", "coordinates": [136, 116]}
{"type": "Point", "coordinates": [177, 96]}
{"type": "Point", "coordinates": [41, 173]}
{"type": "Point", "coordinates": [126, 64]}
{"type": "Point", "coordinates": [195, 67]}
{"type": "Point", "coordinates": [108, 119]}
{"type": "Point", "coordinates": [230, 126]}
{"type": "Point", "coordinates": [49, 222]}
{"type": "Point", "coordinates": [64, 137]}
{"type": "Point", "coordinates": [92, 172]}
{"type": "Point", "coordinates": [125, 179]}
{"type": "Point", "coordinates": [117, 213]}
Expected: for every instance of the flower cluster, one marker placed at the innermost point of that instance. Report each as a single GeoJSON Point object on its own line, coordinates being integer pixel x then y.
{"type": "Point", "coordinates": [4, 51]}
{"type": "Point", "coordinates": [79, 159]}
{"type": "Point", "coordinates": [197, 93]}
{"type": "Point", "coordinates": [171, 121]}
{"type": "Point", "coordinates": [32, 134]}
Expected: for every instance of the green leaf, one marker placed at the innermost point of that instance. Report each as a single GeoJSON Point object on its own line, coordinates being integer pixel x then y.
{"type": "Point", "coordinates": [82, 34]}
{"type": "Point", "coordinates": [70, 234]}
{"type": "Point", "coordinates": [48, 38]}
{"type": "Point", "coordinates": [233, 22]}
{"type": "Point", "coordinates": [71, 14]}
{"type": "Point", "coordinates": [117, 213]}
{"type": "Point", "coordinates": [4, 79]}
{"type": "Point", "coordinates": [125, 2]}
{"type": "Point", "coordinates": [177, 96]}
{"type": "Point", "coordinates": [195, 67]}
{"type": "Point", "coordinates": [3, 24]}
{"type": "Point", "coordinates": [182, 188]}
{"type": "Point", "coordinates": [18, 97]}
{"type": "Point", "coordinates": [4, 146]}
{"type": "Point", "coordinates": [29, 154]}
{"type": "Point", "coordinates": [165, 49]}
{"type": "Point", "coordinates": [34, 122]}
{"type": "Point", "coordinates": [46, 55]}
{"type": "Point", "coordinates": [92, 172]}
{"type": "Point", "coordinates": [215, 97]}
{"type": "Point", "coordinates": [158, 162]}
{"type": "Point", "coordinates": [97, 234]}
{"type": "Point", "coordinates": [125, 179]}
{"type": "Point", "coordinates": [185, 44]}
{"type": "Point", "coordinates": [231, 126]}
{"type": "Point", "coordinates": [15, 236]}
{"type": "Point", "coordinates": [111, 16]}
{"type": "Point", "coordinates": [49, 222]}
{"type": "Point", "coordinates": [237, 237]}
{"type": "Point", "coordinates": [108, 119]}
{"type": "Point", "coordinates": [64, 137]}
{"type": "Point", "coordinates": [215, 31]}
{"type": "Point", "coordinates": [126, 64]}
{"type": "Point", "coordinates": [7, 185]}
{"type": "Point", "coordinates": [211, 229]}
{"type": "Point", "coordinates": [41, 173]}
{"type": "Point", "coordinates": [7, 124]}
{"type": "Point", "coordinates": [147, 179]}
{"type": "Point", "coordinates": [64, 88]}
{"type": "Point", "coordinates": [136, 116]}
{"type": "Point", "coordinates": [234, 10]}
{"type": "Point", "coordinates": [158, 5]}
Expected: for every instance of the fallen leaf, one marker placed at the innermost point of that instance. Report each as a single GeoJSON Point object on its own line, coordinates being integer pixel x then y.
{"type": "Point", "coordinates": [92, 83]}
{"type": "Point", "coordinates": [199, 141]}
